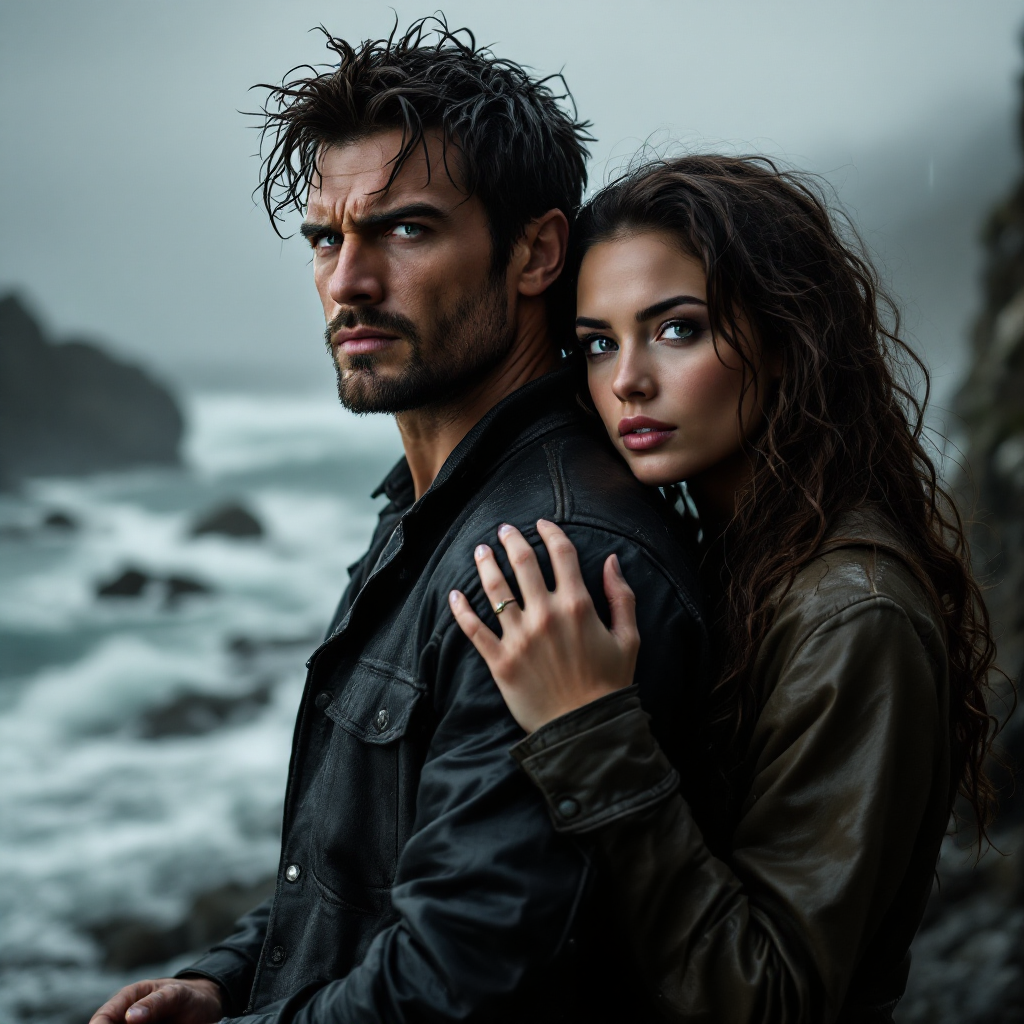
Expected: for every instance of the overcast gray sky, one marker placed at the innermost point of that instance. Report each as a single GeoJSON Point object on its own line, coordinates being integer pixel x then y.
{"type": "Point", "coordinates": [126, 178]}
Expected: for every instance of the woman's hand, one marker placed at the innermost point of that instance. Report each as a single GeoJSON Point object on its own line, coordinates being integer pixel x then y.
{"type": "Point", "coordinates": [554, 654]}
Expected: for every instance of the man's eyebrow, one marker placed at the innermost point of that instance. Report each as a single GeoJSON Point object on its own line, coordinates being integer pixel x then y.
{"type": "Point", "coordinates": [585, 321]}
{"type": "Point", "coordinates": [665, 304]}
{"type": "Point", "coordinates": [400, 213]}
{"type": "Point", "coordinates": [374, 220]}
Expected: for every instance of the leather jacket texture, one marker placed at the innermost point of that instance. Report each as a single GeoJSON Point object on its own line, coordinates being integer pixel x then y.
{"type": "Point", "coordinates": [420, 878]}
{"type": "Point", "coordinates": [807, 913]}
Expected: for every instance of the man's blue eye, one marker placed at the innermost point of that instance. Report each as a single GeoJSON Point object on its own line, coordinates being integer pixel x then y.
{"type": "Point", "coordinates": [406, 230]}
{"type": "Point", "coordinates": [327, 241]}
{"type": "Point", "coordinates": [598, 346]}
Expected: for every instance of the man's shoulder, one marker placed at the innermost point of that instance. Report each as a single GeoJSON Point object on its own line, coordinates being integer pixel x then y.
{"type": "Point", "coordinates": [574, 478]}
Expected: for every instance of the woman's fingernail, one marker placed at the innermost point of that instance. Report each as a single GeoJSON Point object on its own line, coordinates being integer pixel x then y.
{"type": "Point", "coordinates": [617, 567]}
{"type": "Point", "coordinates": [453, 598]}
{"type": "Point", "coordinates": [504, 530]}
{"type": "Point", "coordinates": [543, 522]}
{"type": "Point", "coordinates": [137, 1014]}
{"type": "Point", "coordinates": [482, 551]}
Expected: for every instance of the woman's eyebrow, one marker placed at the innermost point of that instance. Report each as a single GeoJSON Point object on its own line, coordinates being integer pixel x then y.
{"type": "Point", "coordinates": [660, 307]}
{"type": "Point", "coordinates": [585, 321]}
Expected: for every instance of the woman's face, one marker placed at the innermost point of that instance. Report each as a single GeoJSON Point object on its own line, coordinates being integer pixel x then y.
{"type": "Point", "coordinates": [668, 399]}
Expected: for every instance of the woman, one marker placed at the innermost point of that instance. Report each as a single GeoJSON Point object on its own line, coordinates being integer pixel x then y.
{"type": "Point", "coordinates": [734, 340]}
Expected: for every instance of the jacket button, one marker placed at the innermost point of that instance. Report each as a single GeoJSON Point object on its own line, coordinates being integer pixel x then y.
{"type": "Point", "coordinates": [568, 808]}
{"type": "Point", "coordinates": [292, 872]}
{"type": "Point", "coordinates": [322, 700]}
{"type": "Point", "coordinates": [382, 719]}
{"type": "Point", "coordinates": [278, 955]}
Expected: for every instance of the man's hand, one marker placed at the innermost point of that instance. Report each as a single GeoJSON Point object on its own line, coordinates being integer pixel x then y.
{"type": "Point", "coordinates": [174, 1000]}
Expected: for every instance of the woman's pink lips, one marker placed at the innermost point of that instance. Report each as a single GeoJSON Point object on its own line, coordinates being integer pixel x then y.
{"type": "Point", "coordinates": [654, 432]}
{"type": "Point", "coordinates": [644, 442]}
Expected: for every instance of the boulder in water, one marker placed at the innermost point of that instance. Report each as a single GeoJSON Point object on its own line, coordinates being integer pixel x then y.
{"type": "Point", "coordinates": [70, 409]}
{"type": "Point", "coordinates": [131, 583]}
{"type": "Point", "coordinates": [229, 520]}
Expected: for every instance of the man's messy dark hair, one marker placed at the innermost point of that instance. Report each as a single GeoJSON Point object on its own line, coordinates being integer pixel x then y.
{"type": "Point", "coordinates": [518, 143]}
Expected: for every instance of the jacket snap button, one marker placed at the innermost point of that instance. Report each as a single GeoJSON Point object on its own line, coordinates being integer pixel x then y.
{"type": "Point", "coordinates": [278, 955]}
{"type": "Point", "coordinates": [322, 700]}
{"type": "Point", "coordinates": [382, 719]}
{"type": "Point", "coordinates": [292, 872]}
{"type": "Point", "coordinates": [568, 808]}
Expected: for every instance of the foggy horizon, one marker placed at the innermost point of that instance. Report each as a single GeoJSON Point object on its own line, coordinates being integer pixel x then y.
{"type": "Point", "coordinates": [129, 217]}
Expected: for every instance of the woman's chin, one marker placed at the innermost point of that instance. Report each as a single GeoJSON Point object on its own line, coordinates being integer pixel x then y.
{"type": "Point", "coordinates": [656, 469]}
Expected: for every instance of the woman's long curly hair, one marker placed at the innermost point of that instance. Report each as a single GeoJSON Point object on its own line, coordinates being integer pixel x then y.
{"type": "Point", "coordinates": [843, 430]}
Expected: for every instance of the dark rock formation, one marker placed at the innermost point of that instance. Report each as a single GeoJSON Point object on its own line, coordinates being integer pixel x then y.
{"type": "Point", "coordinates": [181, 586]}
{"type": "Point", "coordinates": [969, 955]}
{"type": "Point", "coordinates": [60, 521]}
{"type": "Point", "coordinates": [70, 409]}
{"type": "Point", "coordinates": [193, 714]}
{"type": "Point", "coordinates": [130, 583]}
{"type": "Point", "coordinates": [230, 520]}
{"type": "Point", "coordinates": [128, 943]}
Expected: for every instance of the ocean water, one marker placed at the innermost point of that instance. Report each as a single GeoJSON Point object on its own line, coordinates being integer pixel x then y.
{"type": "Point", "coordinates": [144, 741]}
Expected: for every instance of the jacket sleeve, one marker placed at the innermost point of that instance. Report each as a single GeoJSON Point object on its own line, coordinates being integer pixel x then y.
{"type": "Point", "coordinates": [486, 892]}
{"type": "Point", "coordinates": [845, 760]}
{"type": "Point", "coordinates": [232, 963]}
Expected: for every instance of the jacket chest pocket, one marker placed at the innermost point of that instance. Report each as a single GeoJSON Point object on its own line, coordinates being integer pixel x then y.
{"type": "Point", "coordinates": [364, 786]}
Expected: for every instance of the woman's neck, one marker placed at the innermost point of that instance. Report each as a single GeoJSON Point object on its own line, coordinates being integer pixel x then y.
{"type": "Point", "coordinates": [714, 491]}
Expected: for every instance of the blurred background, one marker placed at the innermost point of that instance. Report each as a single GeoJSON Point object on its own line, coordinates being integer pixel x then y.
{"type": "Point", "coordinates": [180, 492]}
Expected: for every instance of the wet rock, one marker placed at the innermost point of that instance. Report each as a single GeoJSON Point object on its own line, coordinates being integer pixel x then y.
{"type": "Point", "coordinates": [230, 520]}
{"type": "Point", "coordinates": [194, 714]}
{"type": "Point", "coordinates": [72, 409]}
{"type": "Point", "coordinates": [247, 647]}
{"type": "Point", "coordinates": [181, 586]}
{"type": "Point", "coordinates": [131, 583]}
{"type": "Point", "coordinates": [60, 521]}
{"type": "Point", "coordinates": [130, 943]}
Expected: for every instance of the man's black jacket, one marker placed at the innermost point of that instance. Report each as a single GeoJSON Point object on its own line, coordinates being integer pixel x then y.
{"type": "Point", "coordinates": [420, 876]}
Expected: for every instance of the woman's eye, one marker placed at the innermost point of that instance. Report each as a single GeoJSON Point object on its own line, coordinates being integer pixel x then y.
{"type": "Point", "coordinates": [598, 346]}
{"type": "Point", "coordinates": [678, 330]}
{"type": "Point", "coordinates": [406, 231]}
{"type": "Point", "coordinates": [327, 241]}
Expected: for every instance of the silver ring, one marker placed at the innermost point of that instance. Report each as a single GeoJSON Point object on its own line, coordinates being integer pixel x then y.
{"type": "Point", "coordinates": [501, 605]}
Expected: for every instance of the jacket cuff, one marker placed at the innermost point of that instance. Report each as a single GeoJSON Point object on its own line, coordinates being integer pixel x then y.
{"type": "Point", "coordinates": [597, 764]}
{"type": "Point", "coordinates": [233, 974]}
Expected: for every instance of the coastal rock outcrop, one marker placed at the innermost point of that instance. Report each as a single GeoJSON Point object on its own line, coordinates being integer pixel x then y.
{"type": "Point", "coordinates": [968, 965]}
{"type": "Point", "coordinates": [70, 409]}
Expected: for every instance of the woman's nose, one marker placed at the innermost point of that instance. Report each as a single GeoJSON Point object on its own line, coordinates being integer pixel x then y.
{"type": "Point", "coordinates": [634, 374]}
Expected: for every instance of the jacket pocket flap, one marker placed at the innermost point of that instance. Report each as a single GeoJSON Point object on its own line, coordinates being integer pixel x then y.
{"type": "Point", "coordinates": [376, 703]}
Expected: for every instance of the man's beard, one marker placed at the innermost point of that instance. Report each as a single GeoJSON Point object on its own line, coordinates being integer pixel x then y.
{"type": "Point", "coordinates": [464, 345]}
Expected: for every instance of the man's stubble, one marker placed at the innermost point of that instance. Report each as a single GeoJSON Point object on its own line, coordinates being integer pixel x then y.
{"type": "Point", "coordinates": [462, 347]}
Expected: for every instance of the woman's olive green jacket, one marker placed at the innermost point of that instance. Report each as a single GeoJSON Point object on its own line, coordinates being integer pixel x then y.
{"type": "Point", "coordinates": [809, 914]}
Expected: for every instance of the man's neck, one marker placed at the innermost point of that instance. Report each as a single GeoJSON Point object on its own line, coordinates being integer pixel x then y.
{"type": "Point", "coordinates": [430, 434]}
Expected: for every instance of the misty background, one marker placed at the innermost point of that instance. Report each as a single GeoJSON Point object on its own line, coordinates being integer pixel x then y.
{"type": "Point", "coordinates": [169, 556]}
{"type": "Point", "coordinates": [127, 174]}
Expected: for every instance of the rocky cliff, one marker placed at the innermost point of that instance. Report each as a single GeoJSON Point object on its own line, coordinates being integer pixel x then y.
{"type": "Point", "coordinates": [969, 956]}
{"type": "Point", "coordinates": [71, 409]}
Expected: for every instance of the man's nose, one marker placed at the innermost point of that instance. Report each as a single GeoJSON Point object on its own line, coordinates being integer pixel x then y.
{"type": "Point", "coordinates": [355, 279]}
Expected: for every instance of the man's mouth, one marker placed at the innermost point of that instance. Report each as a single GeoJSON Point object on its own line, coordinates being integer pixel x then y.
{"type": "Point", "coordinates": [358, 340]}
{"type": "Point", "coordinates": [641, 433]}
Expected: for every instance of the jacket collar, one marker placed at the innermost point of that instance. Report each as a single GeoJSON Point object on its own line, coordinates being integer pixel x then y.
{"type": "Point", "coordinates": [518, 419]}
{"type": "Point", "coordinates": [867, 526]}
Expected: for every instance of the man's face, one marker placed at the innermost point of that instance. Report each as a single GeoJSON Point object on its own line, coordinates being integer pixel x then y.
{"type": "Point", "coordinates": [414, 314]}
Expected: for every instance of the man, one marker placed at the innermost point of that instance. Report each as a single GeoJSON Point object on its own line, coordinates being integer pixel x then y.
{"type": "Point", "coordinates": [421, 877]}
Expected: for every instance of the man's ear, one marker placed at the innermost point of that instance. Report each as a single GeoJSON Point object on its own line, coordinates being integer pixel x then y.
{"type": "Point", "coordinates": [539, 255]}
